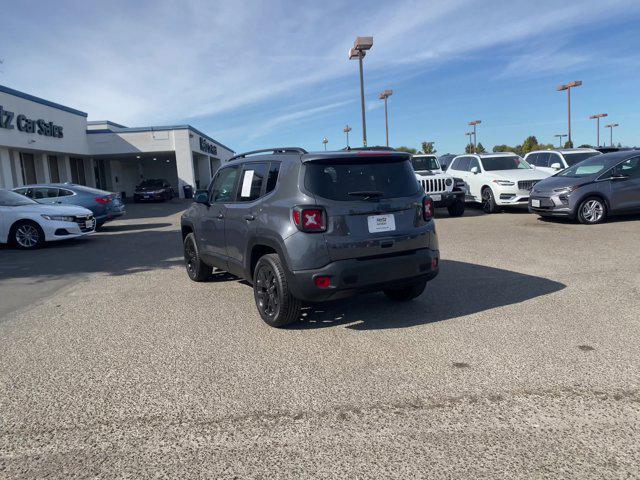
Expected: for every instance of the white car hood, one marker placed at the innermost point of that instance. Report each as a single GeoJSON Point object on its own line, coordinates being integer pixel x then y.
{"type": "Point", "coordinates": [53, 209]}
{"type": "Point", "coordinates": [436, 174]}
{"type": "Point", "coordinates": [519, 174]}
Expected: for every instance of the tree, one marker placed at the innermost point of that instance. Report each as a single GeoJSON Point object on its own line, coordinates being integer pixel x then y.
{"type": "Point", "coordinates": [530, 143]}
{"type": "Point", "coordinates": [568, 144]}
{"type": "Point", "coordinates": [428, 147]}
{"type": "Point", "coordinates": [502, 148]}
{"type": "Point", "coordinates": [480, 149]}
{"type": "Point", "coordinates": [412, 151]}
{"type": "Point", "coordinates": [585, 145]}
{"type": "Point", "coordinates": [468, 148]}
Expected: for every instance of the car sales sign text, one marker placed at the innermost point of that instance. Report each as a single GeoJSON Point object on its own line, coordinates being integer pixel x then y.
{"type": "Point", "coordinates": [9, 121]}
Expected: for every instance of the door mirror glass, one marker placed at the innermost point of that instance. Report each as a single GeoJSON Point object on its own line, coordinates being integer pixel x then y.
{"type": "Point", "coordinates": [474, 170]}
{"type": "Point", "coordinates": [556, 166]}
{"type": "Point", "coordinates": [201, 196]}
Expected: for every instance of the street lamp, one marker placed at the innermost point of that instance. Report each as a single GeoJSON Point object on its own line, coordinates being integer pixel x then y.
{"type": "Point", "coordinates": [598, 116]}
{"type": "Point", "coordinates": [560, 136]}
{"type": "Point", "coordinates": [346, 130]}
{"type": "Point", "coordinates": [568, 87]}
{"type": "Point", "coordinates": [384, 96]}
{"type": "Point", "coordinates": [325, 140]}
{"type": "Point", "coordinates": [469, 134]}
{"type": "Point", "coordinates": [475, 137]}
{"type": "Point", "coordinates": [359, 50]}
{"type": "Point", "coordinates": [611, 127]}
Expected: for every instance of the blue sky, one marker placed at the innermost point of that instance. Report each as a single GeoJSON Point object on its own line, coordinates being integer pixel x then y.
{"type": "Point", "coordinates": [261, 74]}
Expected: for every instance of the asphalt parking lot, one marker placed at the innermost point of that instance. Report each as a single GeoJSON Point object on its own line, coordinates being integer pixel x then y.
{"type": "Point", "coordinates": [520, 360]}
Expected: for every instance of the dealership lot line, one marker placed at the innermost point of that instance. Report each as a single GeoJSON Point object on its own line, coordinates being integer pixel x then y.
{"type": "Point", "coordinates": [521, 359]}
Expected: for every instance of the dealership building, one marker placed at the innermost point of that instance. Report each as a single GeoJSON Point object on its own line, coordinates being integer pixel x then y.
{"type": "Point", "coordinates": [44, 142]}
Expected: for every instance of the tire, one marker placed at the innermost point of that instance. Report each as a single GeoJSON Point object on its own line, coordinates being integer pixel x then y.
{"type": "Point", "coordinates": [591, 211]}
{"type": "Point", "coordinates": [404, 294]}
{"type": "Point", "coordinates": [489, 204]}
{"type": "Point", "coordinates": [197, 270]}
{"type": "Point", "coordinates": [276, 305]}
{"type": "Point", "coordinates": [456, 209]}
{"type": "Point", "coordinates": [26, 235]}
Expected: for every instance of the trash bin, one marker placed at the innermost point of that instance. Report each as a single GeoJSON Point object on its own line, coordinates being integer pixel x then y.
{"type": "Point", "coordinates": [188, 191]}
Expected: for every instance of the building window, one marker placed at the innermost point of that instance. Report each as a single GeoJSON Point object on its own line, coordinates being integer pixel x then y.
{"type": "Point", "coordinates": [54, 171]}
{"type": "Point", "coordinates": [77, 171]}
{"type": "Point", "coordinates": [28, 167]}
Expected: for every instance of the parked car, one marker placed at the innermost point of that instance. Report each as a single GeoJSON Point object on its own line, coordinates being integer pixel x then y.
{"type": "Point", "coordinates": [106, 206]}
{"type": "Point", "coordinates": [153, 190]}
{"type": "Point", "coordinates": [496, 179]}
{"type": "Point", "coordinates": [438, 185]}
{"type": "Point", "coordinates": [591, 190]}
{"type": "Point", "coordinates": [312, 227]}
{"type": "Point", "coordinates": [27, 224]}
{"type": "Point", "coordinates": [552, 161]}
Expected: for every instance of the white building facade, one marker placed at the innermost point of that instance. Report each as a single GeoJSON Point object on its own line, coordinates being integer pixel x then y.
{"type": "Point", "coordinates": [44, 142]}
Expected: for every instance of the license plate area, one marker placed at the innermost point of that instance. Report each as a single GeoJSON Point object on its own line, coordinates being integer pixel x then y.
{"type": "Point", "coordinates": [381, 223]}
{"type": "Point", "coordinates": [89, 223]}
{"type": "Point", "coordinates": [436, 197]}
{"type": "Point", "coordinates": [535, 202]}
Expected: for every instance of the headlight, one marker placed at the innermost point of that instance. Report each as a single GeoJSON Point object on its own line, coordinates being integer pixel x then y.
{"type": "Point", "coordinates": [504, 183]}
{"type": "Point", "coordinates": [59, 218]}
{"type": "Point", "coordinates": [448, 182]}
{"type": "Point", "coordinates": [565, 190]}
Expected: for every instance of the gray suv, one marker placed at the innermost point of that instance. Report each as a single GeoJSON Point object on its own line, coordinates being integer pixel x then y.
{"type": "Point", "coordinates": [312, 227]}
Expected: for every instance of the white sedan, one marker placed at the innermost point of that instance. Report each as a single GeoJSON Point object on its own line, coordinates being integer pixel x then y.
{"type": "Point", "coordinates": [496, 179]}
{"type": "Point", "coordinates": [28, 224]}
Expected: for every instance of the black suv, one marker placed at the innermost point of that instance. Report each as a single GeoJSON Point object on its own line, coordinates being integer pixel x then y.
{"type": "Point", "coordinates": [312, 227]}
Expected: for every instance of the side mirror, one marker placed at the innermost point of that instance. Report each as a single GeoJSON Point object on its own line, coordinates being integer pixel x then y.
{"type": "Point", "coordinates": [556, 166]}
{"type": "Point", "coordinates": [201, 196]}
{"type": "Point", "coordinates": [475, 170]}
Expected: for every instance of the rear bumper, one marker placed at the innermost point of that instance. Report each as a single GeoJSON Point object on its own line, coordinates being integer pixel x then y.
{"type": "Point", "coordinates": [353, 276]}
{"type": "Point", "coordinates": [448, 198]}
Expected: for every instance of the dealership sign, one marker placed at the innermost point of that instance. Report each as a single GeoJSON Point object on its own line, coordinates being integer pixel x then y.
{"type": "Point", "coordinates": [208, 147]}
{"type": "Point", "coordinates": [9, 121]}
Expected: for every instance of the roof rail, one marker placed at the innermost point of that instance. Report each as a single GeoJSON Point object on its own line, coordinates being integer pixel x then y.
{"type": "Point", "coordinates": [275, 151]}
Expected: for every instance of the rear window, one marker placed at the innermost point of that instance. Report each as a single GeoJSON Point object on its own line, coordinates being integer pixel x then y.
{"type": "Point", "coordinates": [425, 163]}
{"type": "Point", "coordinates": [362, 179]}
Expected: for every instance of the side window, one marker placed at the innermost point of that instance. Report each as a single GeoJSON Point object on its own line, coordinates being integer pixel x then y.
{"type": "Point", "coordinates": [473, 162]}
{"type": "Point", "coordinates": [21, 191]}
{"type": "Point", "coordinates": [224, 185]}
{"type": "Point", "coordinates": [533, 159]}
{"type": "Point", "coordinates": [630, 168]}
{"type": "Point", "coordinates": [546, 159]}
{"type": "Point", "coordinates": [40, 193]}
{"type": "Point", "coordinates": [253, 175]}
{"type": "Point", "coordinates": [64, 193]}
{"type": "Point", "coordinates": [272, 179]}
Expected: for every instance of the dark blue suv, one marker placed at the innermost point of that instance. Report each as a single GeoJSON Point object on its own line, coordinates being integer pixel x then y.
{"type": "Point", "coordinates": [312, 227]}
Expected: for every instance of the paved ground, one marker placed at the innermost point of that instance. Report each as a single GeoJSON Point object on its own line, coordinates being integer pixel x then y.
{"type": "Point", "coordinates": [521, 360]}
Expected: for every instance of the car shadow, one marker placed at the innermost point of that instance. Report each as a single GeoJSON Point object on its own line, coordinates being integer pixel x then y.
{"type": "Point", "coordinates": [127, 227]}
{"type": "Point", "coordinates": [460, 289]}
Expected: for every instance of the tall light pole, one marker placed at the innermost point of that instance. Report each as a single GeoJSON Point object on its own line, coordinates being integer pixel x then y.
{"type": "Point", "coordinates": [560, 136]}
{"type": "Point", "coordinates": [346, 130]}
{"type": "Point", "coordinates": [475, 137]}
{"type": "Point", "coordinates": [469, 134]}
{"type": "Point", "coordinates": [598, 116]}
{"type": "Point", "coordinates": [568, 87]}
{"type": "Point", "coordinates": [384, 96]}
{"type": "Point", "coordinates": [360, 47]}
{"type": "Point", "coordinates": [325, 140]}
{"type": "Point", "coordinates": [611, 126]}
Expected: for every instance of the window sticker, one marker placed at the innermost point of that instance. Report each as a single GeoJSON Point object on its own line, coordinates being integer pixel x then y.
{"type": "Point", "coordinates": [246, 184]}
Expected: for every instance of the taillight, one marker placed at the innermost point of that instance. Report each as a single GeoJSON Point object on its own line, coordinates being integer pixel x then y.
{"type": "Point", "coordinates": [310, 219]}
{"type": "Point", "coordinates": [322, 281]}
{"type": "Point", "coordinates": [103, 200]}
{"type": "Point", "coordinates": [427, 208]}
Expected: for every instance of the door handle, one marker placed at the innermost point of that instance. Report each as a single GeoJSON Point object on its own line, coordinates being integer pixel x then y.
{"type": "Point", "coordinates": [220, 215]}
{"type": "Point", "coordinates": [249, 218]}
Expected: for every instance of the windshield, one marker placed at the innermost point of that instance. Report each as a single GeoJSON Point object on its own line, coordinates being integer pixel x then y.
{"type": "Point", "coordinates": [591, 166]}
{"type": "Point", "coordinates": [425, 163]}
{"type": "Point", "coordinates": [152, 183]}
{"type": "Point", "coordinates": [511, 162]}
{"type": "Point", "coordinates": [573, 158]}
{"type": "Point", "coordinates": [361, 179]}
{"type": "Point", "coordinates": [13, 199]}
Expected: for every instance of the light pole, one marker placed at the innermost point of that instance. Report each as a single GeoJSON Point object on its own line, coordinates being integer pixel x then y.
{"type": "Point", "coordinates": [568, 87]}
{"type": "Point", "coordinates": [469, 134]}
{"type": "Point", "coordinates": [475, 137]}
{"type": "Point", "coordinates": [598, 116]}
{"type": "Point", "coordinates": [611, 126]}
{"type": "Point", "coordinates": [325, 140]}
{"type": "Point", "coordinates": [360, 47]}
{"type": "Point", "coordinates": [384, 96]}
{"type": "Point", "coordinates": [560, 136]}
{"type": "Point", "coordinates": [346, 130]}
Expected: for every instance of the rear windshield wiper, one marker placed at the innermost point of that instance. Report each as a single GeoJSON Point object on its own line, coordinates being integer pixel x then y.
{"type": "Point", "coordinates": [366, 194]}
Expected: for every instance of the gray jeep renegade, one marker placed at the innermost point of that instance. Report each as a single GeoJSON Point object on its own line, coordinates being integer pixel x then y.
{"type": "Point", "coordinates": [312, 227]}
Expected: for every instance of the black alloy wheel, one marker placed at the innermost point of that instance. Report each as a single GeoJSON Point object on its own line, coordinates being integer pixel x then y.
{"type": "Point", "coordinates": [276, 305]}
{"type": "Point", "coordinates": [197, 270]}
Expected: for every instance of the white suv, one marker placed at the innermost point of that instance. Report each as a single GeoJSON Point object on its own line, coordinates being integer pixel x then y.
{"type": "Point", "coordinates": [496, 179]}
{"type": "Point", "coordinates": [440, 186]}
{"type": "Point", "coordinates": [552, 161]}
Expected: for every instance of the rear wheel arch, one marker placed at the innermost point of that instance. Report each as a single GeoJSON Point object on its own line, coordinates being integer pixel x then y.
{"type": "Point", "coordinates": [186, 230]}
